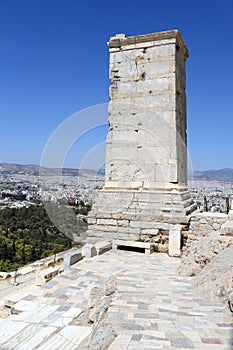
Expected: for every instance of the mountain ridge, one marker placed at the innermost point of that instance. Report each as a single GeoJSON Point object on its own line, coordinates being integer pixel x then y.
{"type": "Point", "coordinates": [225, 174]}
{"type": "Point", "coordinates": [34, 169]}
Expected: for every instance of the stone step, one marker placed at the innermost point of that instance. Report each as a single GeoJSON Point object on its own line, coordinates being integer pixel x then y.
{"type": "Point", "coordinates": [146, 246]}
{"type": "Point", "coordinates": [103, 247]}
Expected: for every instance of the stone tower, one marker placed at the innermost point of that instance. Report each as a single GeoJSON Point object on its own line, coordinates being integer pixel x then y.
{"type": "Point", "coordinates": [145, 196]}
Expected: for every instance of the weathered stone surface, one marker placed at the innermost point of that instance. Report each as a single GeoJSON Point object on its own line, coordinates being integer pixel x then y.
{"type": "Point", "coordinates": [202, 251]}
{"type": "Point", "coordinates": [26, 270]}
{"type": "Point", "coordinates": [123, 222]}
{"type": "Point", "coordinates": [4, 275]}
{"type": "Point", "coordinates": [230, 301]}
{"type": "Point", "coordinates": [99, 300]}
{"type": "Point", "coordinates": [192, 237]}
{"type": "Point", "coordinates": [102, 337]}
{"type": "Point", "coordinates": [203, 223]}
{"type": "Point", "coordinates": [88, 251]}
{"type": "Point", "coordinates": [104, 228]}
{"type": "Point", "coordinates": [103, 247]}
{"type": "Point", "coordinates": [141, 297]}
{"type": "Point", "coordinates": [150, 231]}
{"type": "Point", "coordinates": [227, 227]}
{"type": "Point", "coordinates": [67, 336]}
{"type": "Point", "coordinates": [12, 299]}
{"type": "Point", "coordinates": [175, 241]}
{"type": "Point", "coordinates": [46, 275]}
{"type": "Point", "coordinates": [71, 258]}
{"type": "Point", "coordinates": [106, 222]}
{"type": "Point", "coordinates": [91, 220]}
{"type": "Point", "coordinates": [210, 260]}
{"type": "Point", "coordinates": [215, 280]}
{"type": "Point", "coordinates": [24, 305]}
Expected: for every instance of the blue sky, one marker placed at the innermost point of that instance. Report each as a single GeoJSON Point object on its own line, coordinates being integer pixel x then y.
{"type": "Point", "coordinates": [54, 63]}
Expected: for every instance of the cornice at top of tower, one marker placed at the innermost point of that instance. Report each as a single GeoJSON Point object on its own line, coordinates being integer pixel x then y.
{"type": "Point", "coordinates": [122, 42]}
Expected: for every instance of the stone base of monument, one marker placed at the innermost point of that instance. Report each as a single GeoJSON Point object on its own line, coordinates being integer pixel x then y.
{"type": "Point", "coordinates": [153, 217]}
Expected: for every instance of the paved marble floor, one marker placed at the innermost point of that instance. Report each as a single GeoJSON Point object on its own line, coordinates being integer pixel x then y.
{"type": "Point", "coordinates": [153, 308]}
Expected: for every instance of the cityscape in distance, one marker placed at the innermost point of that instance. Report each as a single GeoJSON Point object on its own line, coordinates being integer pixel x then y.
{"type": "Point", "coordinates": [25, 184]}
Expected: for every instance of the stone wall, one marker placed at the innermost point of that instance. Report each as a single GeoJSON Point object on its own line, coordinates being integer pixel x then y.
{"type": "Point", "coordinates": [203, 223]}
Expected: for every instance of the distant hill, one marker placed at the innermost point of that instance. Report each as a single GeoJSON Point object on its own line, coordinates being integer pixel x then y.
{"type": "Point", "coordinates": [220, 174]}
{"type": "Point", "coordinates": [29, 169]}
{"type": "Point", "coordinates": [32, 169]}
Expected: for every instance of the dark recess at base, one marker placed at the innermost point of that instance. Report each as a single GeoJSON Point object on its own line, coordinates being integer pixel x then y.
{"type": "Point", "coordinates": [131, 249]}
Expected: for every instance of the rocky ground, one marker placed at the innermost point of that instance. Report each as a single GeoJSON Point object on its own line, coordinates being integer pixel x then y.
{"type": "Point", "coordinates": [210, 260]}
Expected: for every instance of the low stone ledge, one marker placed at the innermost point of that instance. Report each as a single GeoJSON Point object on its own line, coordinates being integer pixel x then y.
{"type": "Point", "coordinates": [89, 250]}
{"type": "Point", "coordinates": [59, 259]}
{"type": "Point", "coordinates": [26, 270]}
{"type": "Point", "coordinates": [148, 247]}
{"type": "Point", "coordinates": [103, 247]}
{"type": "Point", "coordinates": [72, 258]}
{"type": "Point", "coordinates": [38, 263]}
{"type": "Point", "coordinates": [4, 275]}
{"type": "Point", "coordinates": [54, 260]}
{"type": "Point", "coordinates": [49, 263]}
{"type": "Point", "coordinates": [23, 271]}
{"type": "Point", "coordinates": [46, 275]}
{"type": "Point", "coordinates": [203, 223]}
{"type": "Point", "coordinates": [209, 214]}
